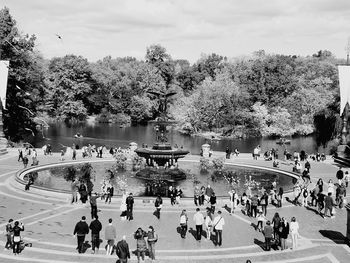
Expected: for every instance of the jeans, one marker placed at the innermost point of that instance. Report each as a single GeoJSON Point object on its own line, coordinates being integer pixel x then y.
{"type": "Point", "coordinates": [268, 243]}
{"type": "Point", "coordinates": [326, 211]}
{"type": "Point", "coordinates": [199, 229]}
{"type": "Point", "coordinates": [264, 209]}
{"type": "Point", "coordinates": [93, 211]}
{"type": "Point", "coordinates": [110, 246]}
{"type": "Point", "coordinates": [140, 254]}
{"type": "Point", "coordinates": [152, 251]}
{"type": "Point", "coordinates": [183, 230]}
{"type": "Point", "coordinates": [196, 200]}
{"type": "Point", "coordinates": [80, 240]}
{"type": "Point", "coordinates": [95, 241]}
{"type": "Point", "coordinates": [283, 243]}
{"type": "Point", "coordinates": [8, 241]}
{"type": "Point", "coordinates": [295, 240]}
{"type": "Point", "coordinates": [218, 234]}
{"type": "Point", "coordinates": [129, 213]}
{"type": "Point", "coordinates": [254, 210]}
{"type": "Point", "coordinates": [109, 197]}
{"type": "Point", "coordinates": [15, 247]}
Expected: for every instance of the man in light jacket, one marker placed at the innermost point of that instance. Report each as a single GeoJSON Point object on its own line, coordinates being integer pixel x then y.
{"type": "Point", "coordinates": [218, 225]}
{"type": "Point", "coordinates": [198, 219]}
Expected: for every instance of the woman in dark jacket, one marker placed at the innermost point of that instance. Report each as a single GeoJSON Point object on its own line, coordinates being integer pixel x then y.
{"type": "Point", "coordinates": [283, 232]}
{"type": "Point", "coordinates": [17, 237]}
{"type": "Point", "coordinates": [83, 193]}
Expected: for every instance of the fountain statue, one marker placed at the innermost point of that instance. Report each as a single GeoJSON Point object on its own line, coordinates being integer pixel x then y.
{"type": "Point", "coordinates": [161, 158]}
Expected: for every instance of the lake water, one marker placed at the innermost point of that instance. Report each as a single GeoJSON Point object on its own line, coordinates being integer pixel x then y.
{"type": "Point", "coordinates": [59, 134]}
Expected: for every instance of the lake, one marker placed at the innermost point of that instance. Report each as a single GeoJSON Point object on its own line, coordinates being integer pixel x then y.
{"type": "Point", "coordinates": [59, 134]}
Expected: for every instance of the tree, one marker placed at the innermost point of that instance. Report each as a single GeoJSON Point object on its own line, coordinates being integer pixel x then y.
{"type": "Point", "coordinates": [25, 90]}
{"type": "Point", "coordinates": [140, 108]}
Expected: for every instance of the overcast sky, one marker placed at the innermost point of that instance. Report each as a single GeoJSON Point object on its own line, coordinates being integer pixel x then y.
{"type": "Point", "coordinates": [186, 28]}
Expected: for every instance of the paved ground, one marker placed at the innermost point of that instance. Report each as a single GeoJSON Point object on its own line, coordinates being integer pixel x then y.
{"type": "Point", "coordinates": [49, 221]}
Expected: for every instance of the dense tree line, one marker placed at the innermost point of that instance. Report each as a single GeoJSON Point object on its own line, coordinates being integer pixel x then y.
{"type": "Point", "coordinates": [257, 95]}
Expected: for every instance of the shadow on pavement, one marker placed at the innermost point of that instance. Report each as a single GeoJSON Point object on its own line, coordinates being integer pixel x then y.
{"type": "Point", "coordinates": [335, 236]}
{"type": "Point", "coordinates": [259, 243]}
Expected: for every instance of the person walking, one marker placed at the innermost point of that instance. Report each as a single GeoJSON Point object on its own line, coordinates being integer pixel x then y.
{"type": "Point", "coordinates": [20, 155]}
{"type": "Point", "coordinates": [110, 236]}
{"type": "Point", "coordinates": [196, 195]}
{"type": "Point", "coordinates": [268, 233]}
{"type": "Point", "coordinates": [276, 222]}
{"type": "Point", "coordinates": [110, 193]}
{"type": "Point", "coordinates": [283, 231]}
{"type": "Point", "coordinates": [329, 204]}
{"type": "Point", "coordinates": [172, 195]}
{"type": "Point", "coordinates": [254, 205]}
{"type": "Point", "coordinates": [122, 250]}
{"type": "Point", "coordinates": [141, 245]}
{"type": "Point", "coordinates": [9, 234]}
{"type": "Point", "coordinates": [93, 204]}
{"type": "Point", "coordinates": [129, 207]}
{"type": "Point", "coordinates": [183, 223]}
{"type": "Point", "coordinates": [294, 231]}
{"type": "Point", "coordinates": [152, 238]}
{"type": "Point", "coordinates": [264, 200]}
{"type": "Point", "coordinates": [158, 204]}
{"type": "Point", "coordinates": [17, 229]}
{"type": "Point", "coordinates": [340, 175]}
{"type": "Point", "coordinates": [75, 189]}
{"type": "Point", "coordinates": [83, 193]}
{"type": "Point", "coordinates": [81, 229]}
{"type": "Point", "coordinates": [218, 225]}
{"type": "Point", "coordinates": [231, 200]}
{"type": "Point", "coordinates": [198, 219]}
{"type": "Point", "coordinates": [123, 207]}
{"type": "Point", "coordinates": [95, 227]}
{"type": "Point", "coordinates": [178, 194]}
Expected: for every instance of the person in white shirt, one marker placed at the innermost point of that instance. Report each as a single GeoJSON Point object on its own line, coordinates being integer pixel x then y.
{"type": "Point", "coordinates": [294, 230]}
{"type": "Point", "coordinates": [198, 219]}
{"type": "Point", "coordinates": [218, 225]}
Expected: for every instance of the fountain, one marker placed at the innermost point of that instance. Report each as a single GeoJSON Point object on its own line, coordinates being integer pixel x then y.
{"type": "Point", "coordinates": [161, 158]}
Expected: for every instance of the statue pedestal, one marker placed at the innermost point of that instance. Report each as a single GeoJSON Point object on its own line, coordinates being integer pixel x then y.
{"type": "Point", "coordinates": [205, 150]}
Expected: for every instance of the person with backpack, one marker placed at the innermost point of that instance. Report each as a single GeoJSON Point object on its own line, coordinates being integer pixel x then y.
{"type": "Point", "coordinates": [122, 249]}
{"type": "Point", "coordinates": [152, 238]}
{"type": "Point", "coordinates": [81, 229]}
{"type": "Point", "coordinates": [95, 227]}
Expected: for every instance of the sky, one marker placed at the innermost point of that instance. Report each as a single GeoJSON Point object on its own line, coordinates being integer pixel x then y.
{"type": "Point", "coordinates": [186, 28]}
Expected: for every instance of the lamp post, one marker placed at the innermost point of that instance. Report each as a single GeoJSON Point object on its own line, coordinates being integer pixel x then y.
{"type": "Point", "coordinates": [3, 141]}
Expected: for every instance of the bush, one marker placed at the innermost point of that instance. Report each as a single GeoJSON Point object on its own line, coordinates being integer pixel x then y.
{"type": "Point", "coordinates": [137, 162]}
{"type": "Point", "coordinates": [218, 164]}
{"type": "Point", "coordinates": [70, 174]}
{"type": "Point", "coordinates": [86, 173]}
{"type": "Point", "coordinates": [43, 179]}
{"type": "Point", "coordinates": [120, 162]}
{"type": "Point", "coordinates": [204, 165]}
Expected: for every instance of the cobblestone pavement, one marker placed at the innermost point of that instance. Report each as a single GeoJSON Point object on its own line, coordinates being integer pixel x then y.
{"type": "Point", "coordinates": [49, 220]}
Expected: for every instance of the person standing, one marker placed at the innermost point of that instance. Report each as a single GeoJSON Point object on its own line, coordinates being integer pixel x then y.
{"type": "Point", "coordinates": [283, 232]}
{"type": "Point", "coordinates": [74, 154]}
{"type": "Point", "coordinates": [158, 204]}
{"type": "Point", "coordinates": [183, 223]}
{"type": "Point", "coordinates": [171, 195]}
{"type": "Point", "coordinates": [208, 222]}
{"type": "Point", "coordinates": [228, 152]}
{"type": "Point", "coordinates": [280, 197]}
{"type": "Point", "coordinates": [95, 227]}
{"type": "Point", "coordinates": [268, 235]}
{"type": "Point", "coordinates": [276, 222]}
{"type": "Point", "coordinates": [9, 234]}
{"type": "Point", "coordinates": [75, 189]}
{"type": "Point", "coordinates": [110, 236]}
{"type": "Point", "coordinates": [208, 193]}
{"type": "Point", "coordinates": [83, 193]}
{"type": "Point", "coordinates": [196, 195]}
{"type": "Point", "coordinates": [340, 175]}
{"type": "Point", "coordinates": [152, 238]}
{"type": "Point", "coordinates": [264, 200]}
{"type": "Point", "coordinates": [17, 237]}
{"type": "Point", "coordinates": [123, 252]}
{"type": "Point", "coordinates": [202, 196]}
{"type": "Point", "coordinates": [123, 207]}
{"type": "Point", "coordinates": [218, 225]}
{"type": "Point", "coordinates": [110, 193]}
{"type": "Point", "coordinates": [294, 231]}
{"type": "Point", "coordinates": [212, 202]}
{"type": "Point", "coordinates": [231, 200]}
{"type": "Point", "coordinates": [254, 205]}
{"type": "Point", "coordinates": [198, 219]}
{"type": "Point", "coordinates": [81, 229]}
{"type": "Point", "coordinates": [141, 245]}
{"type": "Point", "coordinates": [20, 155]}
{"type": "Point", "coordinates": [129, 207]}
{"type": "Point", "coordinates": [178, 194]}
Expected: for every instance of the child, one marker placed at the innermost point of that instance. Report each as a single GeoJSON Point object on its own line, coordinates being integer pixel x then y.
{"type": "Point", "coordinates": [261, 219]}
